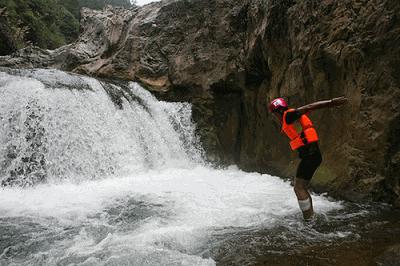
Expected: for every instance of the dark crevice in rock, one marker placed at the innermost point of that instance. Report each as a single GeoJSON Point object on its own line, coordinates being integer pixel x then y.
{"type": "Point", "coordinates": [257, 69]}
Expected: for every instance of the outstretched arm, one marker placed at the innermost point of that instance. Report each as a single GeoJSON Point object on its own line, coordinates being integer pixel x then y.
{"type": "Point", "coordinates": [322, 104]}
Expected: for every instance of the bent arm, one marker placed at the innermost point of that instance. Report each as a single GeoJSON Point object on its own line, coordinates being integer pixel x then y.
{"type": "Point", "coordinates": [322, 104]}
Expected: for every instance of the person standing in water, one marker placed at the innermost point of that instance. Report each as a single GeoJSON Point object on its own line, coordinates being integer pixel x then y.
{"type": "Point", "coordinates": [303, 138]}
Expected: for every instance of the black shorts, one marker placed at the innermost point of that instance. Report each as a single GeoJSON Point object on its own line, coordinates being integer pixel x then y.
{"type": "Point", "coordinates": [311, 158]}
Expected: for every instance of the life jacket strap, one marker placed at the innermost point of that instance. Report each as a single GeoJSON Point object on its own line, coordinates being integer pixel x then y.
{"type": "Point", "coordinates": [303, 138]}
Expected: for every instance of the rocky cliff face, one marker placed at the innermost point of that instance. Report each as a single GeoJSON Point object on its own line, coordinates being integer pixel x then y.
{"type": "Point", "coordinates": [313, 51]}
{"type": "Point", "coordinates": [229, 58]}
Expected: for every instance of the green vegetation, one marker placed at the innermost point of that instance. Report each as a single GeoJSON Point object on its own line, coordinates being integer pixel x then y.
{"type": "Point", "coordinates": [44, 23]}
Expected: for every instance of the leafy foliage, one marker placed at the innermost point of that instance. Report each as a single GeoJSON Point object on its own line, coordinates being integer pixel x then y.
{"type": "Point", "coordinates": [44, 23]}
{"type": "Point", "coordinates": [11, 36]}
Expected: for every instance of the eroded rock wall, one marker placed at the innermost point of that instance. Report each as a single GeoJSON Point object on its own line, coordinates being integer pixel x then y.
{"type": "Point", "coordinates": [317, 50]}
{"type": "Point", "coordinates": [229, 58]}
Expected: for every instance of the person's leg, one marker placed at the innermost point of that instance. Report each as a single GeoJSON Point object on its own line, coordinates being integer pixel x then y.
{"type": "Point", "coordinates": [310, 160]}
{"type": "Point", "coordinates": [303, 197]}
{"type": "Point", "coordinates": [305, 172]}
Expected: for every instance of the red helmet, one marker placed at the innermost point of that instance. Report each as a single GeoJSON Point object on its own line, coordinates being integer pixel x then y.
{"type": "Point", "coordinates": [277, 104]}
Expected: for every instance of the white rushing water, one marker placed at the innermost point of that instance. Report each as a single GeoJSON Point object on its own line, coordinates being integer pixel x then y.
{"type": "Point", "coordinates": [144, 2]}
{"type": "Point", "coordinates": [117, 183]}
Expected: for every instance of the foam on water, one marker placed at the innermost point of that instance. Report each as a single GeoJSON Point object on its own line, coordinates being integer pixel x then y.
{"type": "Point", "coordinates": [119, 186]}
{"type": "Point", "coordinates": [192, 205]}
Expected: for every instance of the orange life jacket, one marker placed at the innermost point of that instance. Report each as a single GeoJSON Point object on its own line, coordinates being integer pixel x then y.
{"type": "Point", "coordinates": [308, 134]}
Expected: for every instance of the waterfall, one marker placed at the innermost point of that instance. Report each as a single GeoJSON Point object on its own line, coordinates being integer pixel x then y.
{"type": "Point", "coordinates": [58, 126]}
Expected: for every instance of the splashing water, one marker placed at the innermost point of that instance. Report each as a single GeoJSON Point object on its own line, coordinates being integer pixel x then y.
{"type": "Point", "coordinates": [54, 132]}
{"type": "Point", "coordinates": [119, 179]}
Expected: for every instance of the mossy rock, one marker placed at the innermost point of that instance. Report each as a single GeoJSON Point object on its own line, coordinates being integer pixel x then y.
{"type": "Point", "coordinates": [323, 179]}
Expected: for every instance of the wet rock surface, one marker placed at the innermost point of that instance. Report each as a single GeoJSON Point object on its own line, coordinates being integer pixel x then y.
{"type": "Point", "coordinates": [391, 256]}
{"type": "Point", "coordinates": [372, 241]}
{"type": "Point", "coordinates": [231, 57]}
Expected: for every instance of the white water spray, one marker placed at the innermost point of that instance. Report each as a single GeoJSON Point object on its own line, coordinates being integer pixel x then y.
{"type": "Point", "coordinates": [53, 132]}
{"type": "Point", "coordinates": [119, 178]}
